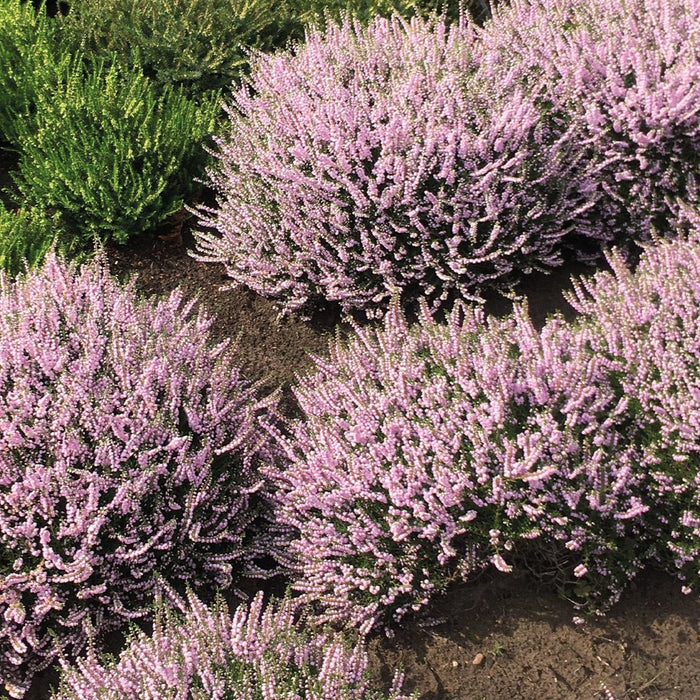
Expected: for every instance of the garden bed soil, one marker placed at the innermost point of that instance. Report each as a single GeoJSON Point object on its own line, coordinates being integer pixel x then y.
{"type": "Point", "coordinates": [647, 647]}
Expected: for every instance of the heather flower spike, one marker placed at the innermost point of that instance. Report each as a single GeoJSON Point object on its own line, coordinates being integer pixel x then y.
{"type": "Point", "coordinates": [262, 651]}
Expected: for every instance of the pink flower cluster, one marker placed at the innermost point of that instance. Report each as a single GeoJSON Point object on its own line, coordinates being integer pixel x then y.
{"type": "Point", "coordinates": [628, 76]}
{"type": "Point", "coordinates": [430, 451]}
{"type": "Point", "coordinates": [388, 160]}
{"type": "Point", "coordinates": [129, 449]}
{"type": "Point", "coordinates": [260, 652]}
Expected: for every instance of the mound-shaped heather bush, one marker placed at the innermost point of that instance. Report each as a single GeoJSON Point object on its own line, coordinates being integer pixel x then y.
{"type": "Point", "coordinates": [383, 160]}
{"type": "Point", "coordinates": [129, 450]}
{"type": "Point", "coordinates": [628, 74]}
{"type": "Point", "coordinates": [262, 652]}
{"type": "Point", "coordinates": [430, 451]}
{"type": "Point", "coordinates": [649, 322]}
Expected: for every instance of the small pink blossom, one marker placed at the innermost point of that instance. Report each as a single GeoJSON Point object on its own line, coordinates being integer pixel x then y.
{"type": "Point", "coordinates": [500, 563]}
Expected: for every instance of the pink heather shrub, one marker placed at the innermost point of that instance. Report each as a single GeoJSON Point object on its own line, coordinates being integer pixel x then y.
{"type": "Point", "coordinates": [649, 322]}
{"type": "Point", "coordinates": [384, 160]}
{"type": "Point", "coordinates": [129, 448]}
{"type": "Point", "coordinates": [628, 74]}
{"type": "Point", "coordinates": [429, 452]}
{"type": "Point", "coordinates": [260, 653]}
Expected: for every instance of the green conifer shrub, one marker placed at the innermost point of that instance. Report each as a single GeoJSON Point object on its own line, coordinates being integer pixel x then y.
{"type": "Point", "coordinates": [108, 152]}
{"type": "Point", "coordinates": [198, 44]}
{"type": "Point", "coordinates": [27, 60]}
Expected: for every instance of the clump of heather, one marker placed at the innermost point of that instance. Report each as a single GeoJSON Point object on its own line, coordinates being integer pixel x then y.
{"type": "Point", "coordinates": [261, 652]}
{"type": "Point", "coordinates": [649, 322]}
{"type": "Point", "coordinates": [628, 75]}
{"type": "Point", "coordinates": [383, 160]}
{"type": "Point", "coordinates": [107, 150]}
{"type": "Point", "coordinates": [27, 58]}
{"type": "Point", "coordinates": [129, 450]}
{"type": "Point", "coordinates": [26, 236]}
{"type": "Point", "coordinates": [431, 451]}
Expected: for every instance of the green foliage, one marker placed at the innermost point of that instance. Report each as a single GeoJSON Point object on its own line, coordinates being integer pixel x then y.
{"type": "Point", "coordinates": [25, 238]}
{"type": "Point", "coordinates": [27, 60]}
{"type": "Point", "coordinates": [110, 153]}
{"type": "Point", "coordinates": [199, 44]}
{"type": "Point", "coordinates": [306, 12]}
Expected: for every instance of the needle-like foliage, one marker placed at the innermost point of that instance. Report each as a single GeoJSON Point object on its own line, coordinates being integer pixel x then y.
{"type": "Point", "coordinates": [109, 153]}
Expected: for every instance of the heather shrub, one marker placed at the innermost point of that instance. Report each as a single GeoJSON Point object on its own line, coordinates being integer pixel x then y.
{"type": "Point", "coordinates": [27, 58]}
{"type": "Point", "coordinates": [383, 160]}
{"type": "Point", "coordinates": [129, 450]}
{"type": "Point", "coordinates": [628, 74]}
{"type": "Point", "coordinates": [199, 45]}
{"type": "Point", "coordinates": [431, 451]}
{"type": "Point", "coordinates": [261, 652]}
{"type": "Point", "coordinates": [108, 153]}
{"type": "Point", "coordinates": [649, 322]}
{"type": "Point", "coordinates": [25, 238]}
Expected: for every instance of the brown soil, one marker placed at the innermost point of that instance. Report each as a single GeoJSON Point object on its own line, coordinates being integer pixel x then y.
{"type": "Point", "coordinates": [647, 647]}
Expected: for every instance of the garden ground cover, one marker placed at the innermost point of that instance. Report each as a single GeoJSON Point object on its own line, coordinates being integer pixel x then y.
{"type": "Point", "coordinates": [522, 660]}
{"type": "Point", "coordinates": [646, 647]}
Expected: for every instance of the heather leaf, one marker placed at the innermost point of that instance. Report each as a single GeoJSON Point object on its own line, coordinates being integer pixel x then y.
{"type": "Point", "coordinates": [25, 238]}
{"type": "Point", "coordinates": [198, 45]}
